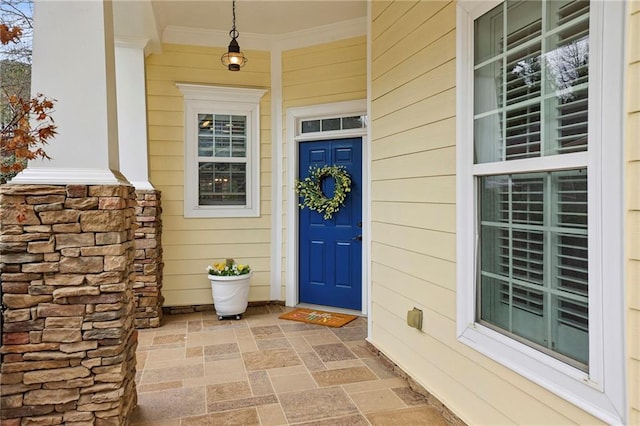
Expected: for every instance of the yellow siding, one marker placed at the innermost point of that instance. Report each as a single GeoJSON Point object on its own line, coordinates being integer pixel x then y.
{"type": "Point", "coordinates": [413, 224]}
{"type": "Point", "coordinates": [191, 244]}
{"type": "Point", "coordinates": [329, 72]}
{"type": "Point", "coordinates": [633, 214]}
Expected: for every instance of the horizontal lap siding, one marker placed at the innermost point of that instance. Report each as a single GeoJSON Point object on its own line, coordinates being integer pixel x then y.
{"type": "Point", "coordinates": [413, 222]}
{"type": "Point", "coordinates": [633, 213]}
{"type": "Point", "coordinates": [330, 72]}
{"type": "Point", "coordinates": [326, 73]}
{"type": "Point", "coordinates": [192, 244]}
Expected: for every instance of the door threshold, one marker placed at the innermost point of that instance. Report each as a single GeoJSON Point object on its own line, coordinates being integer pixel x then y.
{"type": "Point", "coordinates": [332, 309]}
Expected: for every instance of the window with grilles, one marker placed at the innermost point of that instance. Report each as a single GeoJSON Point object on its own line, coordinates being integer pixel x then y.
{"type": "Point", "coordinates": [222, 159]}
{"type": "Point", "coordinates": [221, 151]}
{"type": "Point", "coordinates": [531, 89]}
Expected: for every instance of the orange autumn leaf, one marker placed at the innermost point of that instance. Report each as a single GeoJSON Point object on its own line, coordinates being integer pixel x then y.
{"type": "Point", "coordinates": [30, 128]}
{"type": "Point", "coordinates": [8, 35]}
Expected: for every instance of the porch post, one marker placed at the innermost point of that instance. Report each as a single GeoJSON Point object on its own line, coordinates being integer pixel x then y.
{"type": "Point", "coordinates": [67, 239]}
{"type": "Point", "coordinates": [73, 62]}
{"type": "Point", "coordinates": [132, 134]}
{"type": "Point", "coordinates": [132, 112]}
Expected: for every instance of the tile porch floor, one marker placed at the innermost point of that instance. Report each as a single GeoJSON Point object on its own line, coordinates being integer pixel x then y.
{"type": "Point", "coordinates": [261, 370]}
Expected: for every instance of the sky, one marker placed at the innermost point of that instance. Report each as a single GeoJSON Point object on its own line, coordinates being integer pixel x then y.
{"type": "Point", "coordinates": [20, 13]}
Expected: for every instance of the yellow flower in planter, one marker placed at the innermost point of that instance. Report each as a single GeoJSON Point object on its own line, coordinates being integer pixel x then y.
{"type": "Point", "coordinates": [228, 268]}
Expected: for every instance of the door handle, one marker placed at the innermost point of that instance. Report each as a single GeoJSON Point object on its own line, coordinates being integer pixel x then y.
{"type": "Point", "coordinates": [357, 238]}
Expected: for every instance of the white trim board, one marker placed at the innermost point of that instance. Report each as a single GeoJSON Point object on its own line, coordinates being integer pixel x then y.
{"type": "Point", "coordinates": [294, 115]}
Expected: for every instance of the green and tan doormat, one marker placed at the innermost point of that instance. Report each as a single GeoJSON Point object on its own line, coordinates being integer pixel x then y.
{"type": "Point", "coordinates": [313, 316]}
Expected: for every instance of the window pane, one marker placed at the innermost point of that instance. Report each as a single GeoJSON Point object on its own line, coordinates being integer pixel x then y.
{"type": "Point", "coordinates": [493, 308]}
{"type": "Point", "coordinates": [238, 147]}
{"type": "Point", "coordinates": [571, 333]}
{"type": "Point", "coordinates": [488, 35]}
{"type": "Point", "coordinates": [486, 79]}
{"type": "Point", "coordinates": [222, 183]}
{"type": "Point", "coordinates": [522, 137]}
{"type": "Point", "coordinates": [560, 12]}
{"type": "Point", "coordinates": [222, 147]}
{"type": "Point", "coordinates": [330, 124]}
{"type": "Point", "coordinates": [534, 260]}
{"type": "Point", "coordinates": [524, 22]}
{"type": "Point", "coordinates": [524, 75]}
{"type": "Point", "coordinates": [205, 135]}
{"type": "Point", "coordinates": [487, 136]}
{"type": "Point", "coordinates": [222, 125]}
{"type": "Point", "coordinates": [569, 132]}
{"type": "Point", "coordinates": [310, 126]}
{"type": "Point", "coordinates": [352, 122]}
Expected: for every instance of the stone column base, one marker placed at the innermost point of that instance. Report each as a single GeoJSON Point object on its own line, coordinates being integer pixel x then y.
{"type": "Point", "coordinates": [148, 260]}
{"type": "Point", "coordinates": [68, 336]}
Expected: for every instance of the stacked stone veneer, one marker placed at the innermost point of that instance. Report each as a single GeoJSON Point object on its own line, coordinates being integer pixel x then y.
{"type": "Point", "coordinates": [68, 336]}
{"type": "Point", "coordinates": [148, 266]}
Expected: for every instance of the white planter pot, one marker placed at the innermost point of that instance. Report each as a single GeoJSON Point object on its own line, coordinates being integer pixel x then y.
{"type": "Point", "coordinates": [230, 294]}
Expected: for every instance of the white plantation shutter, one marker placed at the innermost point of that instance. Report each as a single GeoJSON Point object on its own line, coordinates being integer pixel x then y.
{"type": "Point", "coordinates": [222, 159]}
{"type": "Point", "coordinates": [531, 102]}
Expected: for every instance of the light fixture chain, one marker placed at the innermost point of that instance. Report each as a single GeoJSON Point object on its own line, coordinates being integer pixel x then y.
{"type": "Point", "coordinates": [234, 15]}
{"type": "Point", "coordinates": [234, 33]}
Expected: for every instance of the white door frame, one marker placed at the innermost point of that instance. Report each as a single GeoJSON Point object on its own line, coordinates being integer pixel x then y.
{"type": "Point", "coordinates": [294, 116]}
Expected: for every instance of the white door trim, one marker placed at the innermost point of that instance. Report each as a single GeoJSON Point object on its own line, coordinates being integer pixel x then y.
{"type": "Point", "coordinates": [294, 115]}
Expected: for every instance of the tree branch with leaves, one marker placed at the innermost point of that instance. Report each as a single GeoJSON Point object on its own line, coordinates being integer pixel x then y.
{"type": "Point", "coordinates": [27, 124]}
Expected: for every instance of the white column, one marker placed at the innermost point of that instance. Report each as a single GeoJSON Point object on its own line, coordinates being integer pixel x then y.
{"type": "Point", "coordinates": [276, 174]}
{"type": "Point", "coordinates": [132, 112]}
{"type": "Point", "coordinates": [73, 62]}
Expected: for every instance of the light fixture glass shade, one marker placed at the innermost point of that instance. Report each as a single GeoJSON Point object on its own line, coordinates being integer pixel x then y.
{"type": "Point", "coordinates": [234, 59]}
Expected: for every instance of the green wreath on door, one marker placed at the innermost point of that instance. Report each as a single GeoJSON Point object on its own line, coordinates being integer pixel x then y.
{"type": "Point", "coordinates": [310, 189]}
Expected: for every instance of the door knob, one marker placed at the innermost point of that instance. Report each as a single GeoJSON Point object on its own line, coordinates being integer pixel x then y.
{"type": "Point", "coordinates": [358, 238]}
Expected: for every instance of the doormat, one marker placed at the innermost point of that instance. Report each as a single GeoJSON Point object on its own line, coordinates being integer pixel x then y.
{"type": "Point", "coordinates": [313, 316]}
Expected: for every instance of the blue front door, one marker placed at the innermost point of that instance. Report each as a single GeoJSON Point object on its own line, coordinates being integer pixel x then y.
{"type": "Point", "coordinates": [330, 270]}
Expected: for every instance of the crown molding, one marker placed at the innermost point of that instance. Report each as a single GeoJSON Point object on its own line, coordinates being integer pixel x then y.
{"type": "Point", "coordinates": [324, 34]}
{"type": "Point", "coordinates": [293, 40]}
{"type": "Point", "coordinates": [214, 38]}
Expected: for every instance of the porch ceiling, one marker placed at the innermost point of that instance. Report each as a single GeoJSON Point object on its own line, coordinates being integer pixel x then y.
{"type": "Point", "coordinates": [257, 16]}
{"type": "Point", "coordinates": [268, 18]}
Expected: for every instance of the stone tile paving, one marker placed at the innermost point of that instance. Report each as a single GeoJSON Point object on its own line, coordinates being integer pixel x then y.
{"type": "Point", "coordinates": [196, 370]}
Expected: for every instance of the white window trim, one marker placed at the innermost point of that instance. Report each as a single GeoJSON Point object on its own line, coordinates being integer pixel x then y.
{"type": "Point", "coordinates": [221, 100]}
{"type": "Point", "coordinates": [602, 391]}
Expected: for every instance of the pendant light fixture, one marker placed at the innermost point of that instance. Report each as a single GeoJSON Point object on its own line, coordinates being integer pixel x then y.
{"type": "Point", "coordinates": [234, 59]}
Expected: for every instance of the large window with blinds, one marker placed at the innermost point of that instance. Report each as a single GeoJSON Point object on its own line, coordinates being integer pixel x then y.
{"type": "Point", "coordinates": [222, 151]}
{"type": "Point", "coordinates": [539, 210]}
{"type": "Point", "coordinates": [531, 63]}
